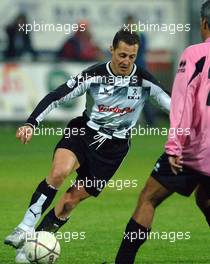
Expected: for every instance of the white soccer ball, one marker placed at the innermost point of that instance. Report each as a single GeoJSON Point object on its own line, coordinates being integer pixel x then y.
{"type": "Point", "coordinates": [42, 248]}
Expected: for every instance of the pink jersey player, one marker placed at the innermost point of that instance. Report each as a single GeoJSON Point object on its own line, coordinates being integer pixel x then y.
{"type": "Point", "coordinates": [190, 109]}
{"type": "Point", "coordinates": [185, 167]}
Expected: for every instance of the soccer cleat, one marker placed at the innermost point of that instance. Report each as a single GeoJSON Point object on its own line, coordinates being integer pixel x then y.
{"type": "Point", "coordinates": [21, 256]}
{"type": "Point", "coordinates": [16, 239]}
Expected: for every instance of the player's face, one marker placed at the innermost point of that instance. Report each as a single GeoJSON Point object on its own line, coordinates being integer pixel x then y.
{"type": "Point", "coordinates": [123, 58]}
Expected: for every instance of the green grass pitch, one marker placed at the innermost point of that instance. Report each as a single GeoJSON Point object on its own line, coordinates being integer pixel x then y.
{"type": "Point", "coordinates": [103, 219]}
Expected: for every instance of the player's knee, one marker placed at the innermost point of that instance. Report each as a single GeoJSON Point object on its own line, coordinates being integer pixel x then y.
{"type": "Point", "coordinates": [57, 176]}
{"type": "Point", "coordinates": [149, 198]}
{"type": "Point", "coordinates": [70, 201]}
{"type": "Point", "coordinates": [155, 201]}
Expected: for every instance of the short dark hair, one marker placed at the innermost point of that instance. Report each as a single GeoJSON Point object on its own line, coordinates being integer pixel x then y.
{"type": "Point", "coordinates": [205, 11]}
{"type": "Point", "coordinates": [125, 35]}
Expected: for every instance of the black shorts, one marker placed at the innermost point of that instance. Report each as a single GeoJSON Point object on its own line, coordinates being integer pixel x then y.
{"type": "Point", "coordinates": [184, 182]}
{"type": "Point", "coordinates": [97, 163]}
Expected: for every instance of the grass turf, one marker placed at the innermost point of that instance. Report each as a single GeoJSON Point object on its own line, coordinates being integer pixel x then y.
{"type": "Point", "coordinates": [103, 219]}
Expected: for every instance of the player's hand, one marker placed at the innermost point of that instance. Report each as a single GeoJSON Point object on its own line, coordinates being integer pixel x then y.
{"type": "Point", "coordinates": [24, 134]}
{"type": "Point", "coordinates": [176, 164]}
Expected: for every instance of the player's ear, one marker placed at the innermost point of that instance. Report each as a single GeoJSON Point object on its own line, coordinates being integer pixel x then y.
{"type": "Point", "coordinates": [205, 24]}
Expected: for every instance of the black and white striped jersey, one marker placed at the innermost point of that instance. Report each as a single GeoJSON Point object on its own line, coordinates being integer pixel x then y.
{"type": "Point", "coordinates": [113, 103]}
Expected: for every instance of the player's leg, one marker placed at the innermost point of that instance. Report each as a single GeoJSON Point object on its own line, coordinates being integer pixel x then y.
{"type": "Point", "coordinates": [59, 215]}
{"type": "Point", "coordinates": [202, 197]}
{"type": "Point", "coordinates": [93, 175]}
{"type": "Point", "coordinates": [162, 184]}
{"type": "Point", "coordinates": [150, 197]}
{"type": "Point", "coordinates": [139, 226]}
{"type": "Point", "coordinates": [64, 162]}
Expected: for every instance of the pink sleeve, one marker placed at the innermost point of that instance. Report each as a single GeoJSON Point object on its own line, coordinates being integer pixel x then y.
{"type": "Point", "coordinates": [182, 101]}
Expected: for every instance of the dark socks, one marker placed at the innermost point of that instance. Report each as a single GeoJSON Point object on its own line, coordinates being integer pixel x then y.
{"type": "Point", "coordinates": [40, 201]}
{"type": "Point", "coordinates": [44, 189]}
{"type": "Point", "coordinates": [134, 236]}
{"type": "Point", "coordinates": [51, 223]}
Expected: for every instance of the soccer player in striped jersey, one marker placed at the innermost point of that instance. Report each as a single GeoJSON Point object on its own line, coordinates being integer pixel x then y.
{"type": "Point", "coordinates": [116, 92]}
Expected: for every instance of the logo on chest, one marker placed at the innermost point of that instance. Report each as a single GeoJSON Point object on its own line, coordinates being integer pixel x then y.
{"type": "Point", "coordinates": [134, 93]}
{"type": "Point", "coordinates": [106, 90]}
